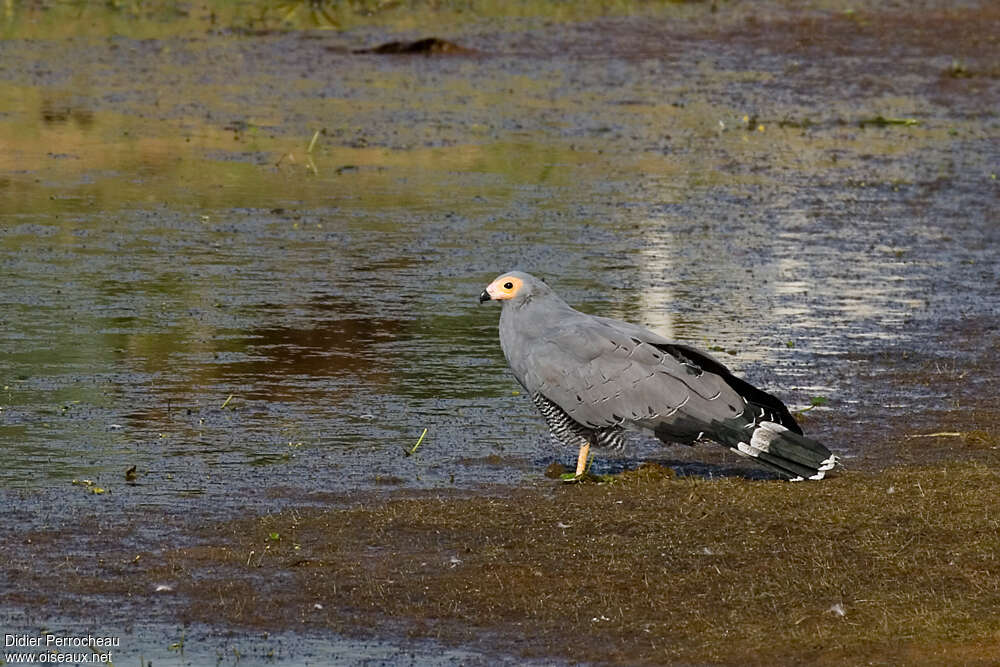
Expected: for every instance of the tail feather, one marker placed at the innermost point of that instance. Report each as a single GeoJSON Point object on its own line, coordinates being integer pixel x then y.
{"type": "Point", "coordinates": [794, 456]}
{"type": "Point", "coordinates": [786, 467]}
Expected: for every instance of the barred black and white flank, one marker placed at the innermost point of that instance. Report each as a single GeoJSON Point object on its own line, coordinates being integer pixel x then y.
{"type": "Point", "coordinates": [594, 378]}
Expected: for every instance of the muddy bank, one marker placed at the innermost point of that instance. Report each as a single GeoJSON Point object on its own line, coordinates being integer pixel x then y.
{"type": "Point", "coordinates": [645, 568]}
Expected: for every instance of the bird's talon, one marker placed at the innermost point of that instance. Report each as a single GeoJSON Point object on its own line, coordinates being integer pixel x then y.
{"type": "Point", "coordinates": [586, 478]}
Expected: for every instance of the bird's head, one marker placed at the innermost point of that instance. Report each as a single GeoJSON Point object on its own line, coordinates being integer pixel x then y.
{"type": "Point", "coordinates": [513, 286]}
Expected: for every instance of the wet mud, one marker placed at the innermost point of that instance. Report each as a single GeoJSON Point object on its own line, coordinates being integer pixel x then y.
{"type": "Point", "coordinates": [642, 568]}
{"type": "Point", "coordinates": [245, 261]}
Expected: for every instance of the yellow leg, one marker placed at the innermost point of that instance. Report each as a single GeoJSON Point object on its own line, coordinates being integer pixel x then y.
{"type": "Point", "coordinates": [581, 459]}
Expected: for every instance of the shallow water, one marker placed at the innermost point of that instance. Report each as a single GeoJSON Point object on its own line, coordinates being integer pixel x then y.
{"type": "Point", "coordinates": [186, 289]}
{"type": "Point", "coordinates": [168, 243]}
{"type": "Point", "coordinates": [198, 644]}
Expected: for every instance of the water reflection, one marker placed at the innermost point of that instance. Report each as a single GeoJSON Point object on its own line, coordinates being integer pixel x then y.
{"type": "Point", "coordinates": [339, 343]}
{"type": "Point", "coordinates": [54, 112]}
{"type": "Point", "coordinates": [158, 258]}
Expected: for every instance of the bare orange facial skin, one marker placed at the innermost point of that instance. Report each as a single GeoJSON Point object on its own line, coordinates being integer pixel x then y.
{"type": "Point", "coordinates": [504, 288]}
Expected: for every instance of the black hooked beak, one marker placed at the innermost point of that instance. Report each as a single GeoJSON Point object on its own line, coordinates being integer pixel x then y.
{"type": "Point", "coordinates": [485, 296]}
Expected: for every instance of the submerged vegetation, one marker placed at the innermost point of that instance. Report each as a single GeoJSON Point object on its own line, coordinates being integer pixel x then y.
{"type": "Point", "coordinates": [134, 17]}
{"type": "Point", "coordinates": [142, 18]}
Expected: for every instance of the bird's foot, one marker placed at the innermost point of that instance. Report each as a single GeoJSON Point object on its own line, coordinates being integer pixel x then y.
{"type": "Point", "coordinates": [583, 461]}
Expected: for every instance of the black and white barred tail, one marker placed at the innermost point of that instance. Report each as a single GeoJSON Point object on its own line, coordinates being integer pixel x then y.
{"type": "Point", "coordinates": [789, 453]}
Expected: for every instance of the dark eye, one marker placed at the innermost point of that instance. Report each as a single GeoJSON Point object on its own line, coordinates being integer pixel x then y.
{"type": "Point", "coordinates": [508, 285]}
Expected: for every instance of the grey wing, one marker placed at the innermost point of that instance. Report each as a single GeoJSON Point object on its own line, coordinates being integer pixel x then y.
{"type": "Point", "coordinates": [764, 404]}
{"type": "Point", "coordinates": [603, 373]}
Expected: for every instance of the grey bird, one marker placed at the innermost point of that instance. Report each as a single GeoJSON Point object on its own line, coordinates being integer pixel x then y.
{"type": "Point", "coordinates": [595, 378]}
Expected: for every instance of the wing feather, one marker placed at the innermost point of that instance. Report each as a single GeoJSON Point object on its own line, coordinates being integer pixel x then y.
{"type": "Point", "coordinates": [605, 373]}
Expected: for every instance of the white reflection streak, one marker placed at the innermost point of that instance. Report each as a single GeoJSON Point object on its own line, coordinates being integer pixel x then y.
{"type": "Point", "coordinates": [656, 266]}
